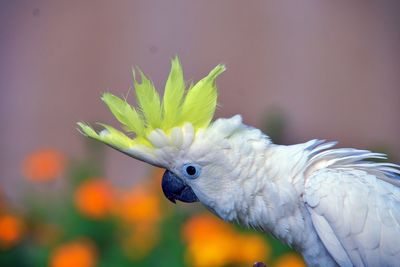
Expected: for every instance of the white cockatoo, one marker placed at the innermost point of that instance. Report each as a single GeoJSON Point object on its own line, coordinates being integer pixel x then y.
{"type": "Point", "coordinates": [332, 205]}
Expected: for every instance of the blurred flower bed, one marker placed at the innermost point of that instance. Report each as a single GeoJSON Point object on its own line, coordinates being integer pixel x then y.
{"type": "Point", "coordinates": [73, 216]}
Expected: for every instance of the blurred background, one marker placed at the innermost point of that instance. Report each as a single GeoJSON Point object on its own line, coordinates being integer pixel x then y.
{"type": "Point", "coordinates": [315, 69]}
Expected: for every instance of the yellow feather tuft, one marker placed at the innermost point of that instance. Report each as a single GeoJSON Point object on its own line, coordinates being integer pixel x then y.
{"type": "Point", "coordinates": [173, 95]}
{"type": "Point", "coordinates": [148, 100]}
{"type": "Point", "coordinates": [111, 136]}
{"type": "Point", "coordinates": [125, 113]}
{"type": "Point", "coordinates": [115, 138]}
{"type": "Point", "coordinates": [88, 131]}
{"type": "Point", "coordinates": [201, 100]}
{"type": "Point", "coordinates": [197, 108]}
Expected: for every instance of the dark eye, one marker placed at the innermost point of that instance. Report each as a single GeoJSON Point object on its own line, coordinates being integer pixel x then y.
{"type": "Point", "coordinates": [191, 170]}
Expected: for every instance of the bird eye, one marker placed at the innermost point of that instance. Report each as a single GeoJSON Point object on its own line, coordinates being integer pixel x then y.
{"type": "Point", "coordinates": [191, 171]}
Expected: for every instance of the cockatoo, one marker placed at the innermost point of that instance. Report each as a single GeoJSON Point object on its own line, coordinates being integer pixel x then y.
{"type": "Point", "coordinates": [332, 205]}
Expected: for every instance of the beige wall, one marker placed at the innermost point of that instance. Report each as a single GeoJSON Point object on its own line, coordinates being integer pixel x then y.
{"type": "Point", "coordinates": [332, 66]}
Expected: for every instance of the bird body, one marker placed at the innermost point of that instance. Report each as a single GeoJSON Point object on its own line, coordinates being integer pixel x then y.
{"type": "Point", "coordinates": [332, 205]}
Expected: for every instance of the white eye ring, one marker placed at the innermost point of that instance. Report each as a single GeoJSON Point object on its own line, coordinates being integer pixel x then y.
{"type": "Point", "coordinates": [191, 170]}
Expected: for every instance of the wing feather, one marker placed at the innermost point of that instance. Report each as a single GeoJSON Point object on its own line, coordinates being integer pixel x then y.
{"type": "Point", "coordinates": [356, 216]}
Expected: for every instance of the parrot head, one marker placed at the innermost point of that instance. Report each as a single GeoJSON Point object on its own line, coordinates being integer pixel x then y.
{"type": "Point", "coordinates": [176, 133]}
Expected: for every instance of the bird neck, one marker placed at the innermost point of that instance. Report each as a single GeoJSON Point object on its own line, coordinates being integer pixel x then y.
{"type": "Point", "coordinates": [270, 198]}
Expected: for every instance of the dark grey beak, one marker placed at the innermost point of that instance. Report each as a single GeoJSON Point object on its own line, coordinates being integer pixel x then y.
{"type": "Point", "coordinates": [175, 189]}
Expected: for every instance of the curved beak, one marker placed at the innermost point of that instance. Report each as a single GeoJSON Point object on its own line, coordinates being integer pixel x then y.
{"type": "Point", "coordinates": [175, 189]}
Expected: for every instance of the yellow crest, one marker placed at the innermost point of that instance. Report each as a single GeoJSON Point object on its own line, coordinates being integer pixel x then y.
{"type": "Point", "coordinates": [195, 105]}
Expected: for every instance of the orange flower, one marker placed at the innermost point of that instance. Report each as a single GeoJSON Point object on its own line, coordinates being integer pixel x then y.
{"type": "Point", "coordinates": [139, 210]}
{"type": "Point", "coordinates": [212, 242]}
{"type": "Point", "coordinates": [139, 205]}
{"type": "Point", "coordinates": [80, 253]}
{"type": "Point", "coordinates": [204, 226]}
{"type": "Point", "coordinates": [44, 165]}
{"type": "Point", "coordinates": [289, 260]}
{"type": "Point", "coordinates": [11, 229]}
{"type": "Point", "coordinates": [251, 248]}
{"type": "Point", "coordinates": [94, 198]}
